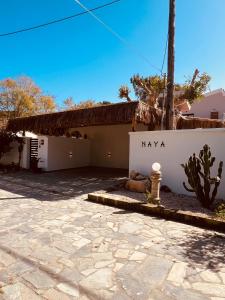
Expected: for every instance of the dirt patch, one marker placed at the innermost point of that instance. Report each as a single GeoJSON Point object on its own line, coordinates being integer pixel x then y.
{"type": "Point", "coordinates": [170, 201]}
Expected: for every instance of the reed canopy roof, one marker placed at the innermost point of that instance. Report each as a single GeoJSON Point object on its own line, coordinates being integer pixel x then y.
{"type": "Point", "coordinates": [133, 112]}
{"type": "Point", "coordinates": [193, 123]}
{"type": "Point", "coordinates": [58, 123]}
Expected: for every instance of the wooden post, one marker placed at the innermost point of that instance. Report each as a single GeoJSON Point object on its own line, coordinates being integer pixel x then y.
{"type": "Point", "coordinates": [170, 75]}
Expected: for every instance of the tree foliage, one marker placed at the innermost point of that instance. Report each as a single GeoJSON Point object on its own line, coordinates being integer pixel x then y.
{"type": "Point", "coordinates": [124, 93]}
{"type": "Point", "coordinates": [22, 97]}
{"type": "Point", "coordinates": [6, 138]}
{"type": "Point", "coordinates": [69, 104]}
{"type": "Point", "coordinates": [86, 104]}
{"type": "Point", "coordinates": [46, 104]}
{"type": "Point", "coordinates": [150, 89]}
{"type": "Point", "coordinates": [194, 89]}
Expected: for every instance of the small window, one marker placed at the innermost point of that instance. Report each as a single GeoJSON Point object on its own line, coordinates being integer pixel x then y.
{"type": "Point", "coordinates": [214, 115]}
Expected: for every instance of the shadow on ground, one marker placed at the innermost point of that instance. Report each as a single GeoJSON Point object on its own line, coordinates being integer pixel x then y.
{"type": "Point", "coordinates": [206, 248]}
{"type": "Point", "coordinates": [60, 185]}
{"type": "Point", "coordinates": [49, 272]}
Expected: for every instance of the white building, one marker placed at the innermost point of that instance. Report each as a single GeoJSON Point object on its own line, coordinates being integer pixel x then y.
{"type": "Point", "coordinates": [211, 106]}
{"type": "Point", "coordinates": [97, 136]}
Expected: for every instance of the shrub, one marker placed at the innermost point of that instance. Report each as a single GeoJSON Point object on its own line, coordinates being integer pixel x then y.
{"type": "Point", "coordinates": [6, 138]}
{"type": "Point", "coordinates": [220, 211]}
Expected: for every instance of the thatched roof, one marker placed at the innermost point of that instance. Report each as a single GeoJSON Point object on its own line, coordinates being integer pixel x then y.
{"type": "Point", "coordinates": [58, 123]}
{"type": "Point", "coordinates": [113, 114]}
{"type": "Point", "coordinates": [153, 118]}
{"type": "Point", "coordinates": [192, 123]}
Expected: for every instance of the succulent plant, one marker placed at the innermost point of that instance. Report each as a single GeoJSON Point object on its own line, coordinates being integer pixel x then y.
{"type": "Point", "coordinates": [198, 172]}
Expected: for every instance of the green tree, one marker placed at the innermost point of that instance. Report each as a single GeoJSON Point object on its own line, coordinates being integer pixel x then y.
{"type": "Point", "coordinates": [150, 89]}
{"type": "Point", "coordinates": [194, 88]}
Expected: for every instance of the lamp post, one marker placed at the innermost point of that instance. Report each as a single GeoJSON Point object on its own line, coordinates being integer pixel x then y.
{"type": "Point", "coordinates": [155, 180]}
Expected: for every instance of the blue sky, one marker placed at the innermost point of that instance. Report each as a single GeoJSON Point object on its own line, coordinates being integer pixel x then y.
{"type": "Point", "coordinates": [79, 58]}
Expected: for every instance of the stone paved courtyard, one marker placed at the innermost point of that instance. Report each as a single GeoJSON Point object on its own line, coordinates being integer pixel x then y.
{"type": "Point", "coordinates": [55, 245]}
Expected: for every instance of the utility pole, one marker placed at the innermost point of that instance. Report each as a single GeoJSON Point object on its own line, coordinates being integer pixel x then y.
{"type": "Point", "coordinates": [170, 68]}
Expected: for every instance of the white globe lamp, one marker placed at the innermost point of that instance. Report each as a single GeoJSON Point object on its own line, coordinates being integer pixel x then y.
{"type": "Point", "coordinates": [156, 167]}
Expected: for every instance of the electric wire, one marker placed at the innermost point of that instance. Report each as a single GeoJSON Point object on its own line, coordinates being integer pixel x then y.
{"type": "Point", "coordinates": [58, 20]}
{"type": "Point", "coordinates": [86, 11]}
{"type": "Point", "coordinates": [165, 83]}
{"type": "Point", "coordinates": [164, 55]}
{"type": "Point", "coordinates": [117, 35]}
{"type": "Point", "coordinates": [124, 41]}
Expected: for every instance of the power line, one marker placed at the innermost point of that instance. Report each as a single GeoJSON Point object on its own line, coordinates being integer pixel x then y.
{"type": "Point", "coordinates": [90, 11]}
{"type": "Point", "coordinates": [164, 56]}
{"type": "Point", "coordinates": [117, 35]}
{"type": "Point", "coordinates": [58, 20]}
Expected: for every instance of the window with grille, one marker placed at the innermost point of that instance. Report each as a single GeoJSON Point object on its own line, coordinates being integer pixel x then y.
{"type": "Point", "coordinates": [214, 115]}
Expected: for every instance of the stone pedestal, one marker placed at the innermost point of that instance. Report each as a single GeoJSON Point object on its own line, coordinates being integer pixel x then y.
{"type": "Point", "coordinates": [155, 179]}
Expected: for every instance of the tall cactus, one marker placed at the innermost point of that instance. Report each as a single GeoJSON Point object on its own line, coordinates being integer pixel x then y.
{"type": "Point", "coordinates": [197, 170]}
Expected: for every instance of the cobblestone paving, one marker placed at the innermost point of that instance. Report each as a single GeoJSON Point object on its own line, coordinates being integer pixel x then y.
{"type": "Point", "coordinates": [54, 245]}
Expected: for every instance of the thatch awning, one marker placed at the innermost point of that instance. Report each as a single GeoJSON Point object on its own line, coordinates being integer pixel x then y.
{"type": "Point", "coordinates": [113, 114]}
{"type": "Point", "coordinates": [59, 123]}
{"type": "Point", "coordinates": [193, 123]}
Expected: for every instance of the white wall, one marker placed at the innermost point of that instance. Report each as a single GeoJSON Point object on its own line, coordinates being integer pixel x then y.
{"type": "Point", "coordinates": [43, 152]}
{"type": "Point", "coordinates": [25, 161]}
{"type": "Point", "coordinates": [106, 146]}
{"type": "Point", "coordinates": [211, 102]}
{"type": "Point", "coordinates": [179, 146]}
{"type": "Point", "coordinates": [109, 144]}
{"type": "Point", "coordinates": [55, 153]}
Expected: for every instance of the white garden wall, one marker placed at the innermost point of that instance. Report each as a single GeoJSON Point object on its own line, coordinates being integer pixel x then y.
{"type": "Point", "coordinates": [109, 144]}
{"type": "Point", "coordinates": [57, 153]}
{"type": "Point", "coordinates": [25, 161]}
{"type": "Point", "coordinates": [171, 149]}
{"type": "Point", "coordinates": [43, 152]}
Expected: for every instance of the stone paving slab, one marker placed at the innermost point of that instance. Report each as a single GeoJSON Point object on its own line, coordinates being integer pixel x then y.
{"type": "Point", "coordinates": [57, 247]}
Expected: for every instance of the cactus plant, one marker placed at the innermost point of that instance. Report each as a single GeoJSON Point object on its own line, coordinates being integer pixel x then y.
{"type": "Point", "coordinates": [197, 170]}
